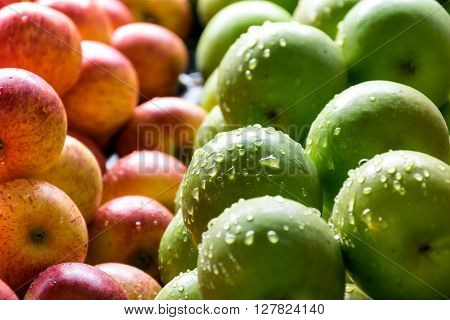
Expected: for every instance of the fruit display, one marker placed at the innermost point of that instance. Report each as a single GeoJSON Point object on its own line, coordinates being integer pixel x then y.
{"type": "Point", "coordinates": [224, 150]}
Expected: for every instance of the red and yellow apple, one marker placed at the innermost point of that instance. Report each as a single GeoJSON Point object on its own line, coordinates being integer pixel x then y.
{"type": "Point", "coordinates": [105, 95]}
{"type": "Point", "coordinates": [91, 145]}
{"type": "Point", "coordinates": [147, 173]}
{"type": "Point", "coordinates": [33, 126]}
{"type": "Point", "coordinates": [118, 13]}
{"type": "Point", "coordinates": [128, 230]}
{"type": "Point", "coordinates": [54, 55]}
{"type": "Point", "coordinates": [158, 55]}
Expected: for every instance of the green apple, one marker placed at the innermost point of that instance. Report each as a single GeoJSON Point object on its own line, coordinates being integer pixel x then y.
{"type": "Point", "coordinates": [406, 41]}
{"type": "Point", "coordinates": [228, 24]}
{"type": "Point", "coordinates": [445, 4]}
{"type": "Point", "coordinates": [270, 248]}
{"type": "Point", "coordinates": [182, 287]}
{"type": "Point", "coordinates": [213, 124]}
{"type": "Point", "coordinates": [176, 251]}
{"type": "Point", "coordinates": [371, 118]}
{"type": "Point", "coordinates": [352, 292]}
{"type": "Point", "coordinates": [177, 201]}
{"type": "Point", "coordinates": [446, 113]}
{"type": "Point", "coordinates": [210, 98]}
{"type": "Point", "coordinates": [323, 14]}
{"type": "Point", "coordinates": [393, 221]}
{"type": "Point", "coordinates": [245, 163]}
{"type": "Point", "coordinates": [206, 9]}
{"type": "Point", "coordinates": [280, 74]}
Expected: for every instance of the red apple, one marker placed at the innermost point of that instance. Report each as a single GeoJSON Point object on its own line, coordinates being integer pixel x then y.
{"type": "Point", "coordinates": [147, 173]}
{"type": "Point", "coordinates": [78, 174]}
{"type": "Point", "coordinates": [91, 145]}
{"type": "Point", "coordinates": [53, 54]}
{"type": "Point", "coordinates": [138, 284]}
{"type": "Point", "coordinates": [105, 95]}
{"type": "Point", "coordinates": [75, 281]}
{"type": "Point", "coordinates": [158, 55]}
{"type": "Point", "coordinates": [91, 20]}
{"type": "Point", "coordinates": [6, 292]}
{"type": "Point", "coordinates": [33, 124]}
{"type": "Point", "coordinates": [165, 124]}
{"type": "Point", "coordinates": [39, 226]}
{"type": "Point", "coordinates": [128, 230]}
{"type": "Point", "coordinates": [118, 13]}
{"type": "Point", "coordinates": [175, 15]}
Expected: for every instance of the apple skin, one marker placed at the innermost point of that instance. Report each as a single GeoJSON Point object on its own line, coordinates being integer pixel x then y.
{"type": "Point", "coordinates": [92, 146]}
{"type": "Point", "coordinates": [363, 37]}
{"type": "Point", "coordinates": [128, 230]}
{"type": "Point", "coordinates": [207, 9]}
{"type": "Point", "coordinates": [40, 226]}
{"type": "Point", "coordinates": [118, 13]}
{"type": "Point", "coordinates": [323, 14]}
{"type": "Point", "coordinates": [78, 174]}
{"type": "Point", "coordinates": [227, 25]}
{"type": "Point", "coordinates": [269, 238]}
{"type": "Point", "coordinates": [158, 55]}
{"type": "Point", "coordinates": [24, 43]}
{"type": "Point", "coordinates": [387, 241]}
{"type": "Point", "coordinates": [352, 292]}
{"type": "Point", "coordinates": [348, 130]}
{"type": "Point", "coordinates": [148, 173]}
{"type": "Point", "coordinates": [5, 3]}
{"type": "Point", "coordinates": [137, 284]}
{"type": "Point", "coordinates": [213, 124]}
{"type": "Point", "coordinates": [210, 98]}
{"type": "Point", "coordinates": [6, 292]}
{"type": "Point", "coordinates": [260, 61]}
{"type": "Point", "coordinates": [176, 252]}
{"type": "Point", "coordinates": [75, 281]}
{"type": "Point", "coordinates": [245, 163]}
{"type": "Point", "coordinates": [182, 287]}
{"type": "Point", "coordinates": [92, 22]}
{"type": "Point", "coordinates": [446, 114]}
{"type": "Point", "coordinates": [105, 95]}
{"type": "Point", "coordinates": [166, 124]}
{"type": "Point", "coordinates": [175, 15]}
{"type": "Point", "coordinates": [33, 126]}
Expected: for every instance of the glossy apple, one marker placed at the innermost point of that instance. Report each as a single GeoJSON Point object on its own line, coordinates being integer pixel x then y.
{"type": "Point", "coordinates": [33, 126]}
{"type": "Point", "coordinates": [92, 146]}
{"type": "Point", "coordinates": [137, 284]}
{"type": "Point", "coordinates": [213, 124]}
{"type": "Point", "coordinates": [210, 98]}
{"type": "Point", "coordinates": [128, 230]}
{"type": "Point", "coordinates": [182, 287]}
{"type": "Point", "coordinates": [75, 281]}
{"type": "Point", "coordinates": [25, 46]}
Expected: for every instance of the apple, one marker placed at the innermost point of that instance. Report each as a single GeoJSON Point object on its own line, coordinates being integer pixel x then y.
{"type": "Point", "coordinates": [352, 292]}
{"type": "Point", "coordinates": [75, 281]}
{"type": "Point", "coordinates": [213, 124]}
{"type": "Point", "coordinates": [371, 118]}
{"type": "Point", "coordinates": [148, 173]}
{"type": "Point", "coordinates": [260, 82]}
{"type": "Point", "coordinates": [175, 15]}
{"type": "Point", "coordinates": [4, 3]}
{"type": "Point", "coordinates": [227, 25]}
{"type": "Point", "coordinates": [137, 284]}
{"type": "Point", "coordinates": [392, 219]}
{"type": "Point", "coordinates": [210, 98]}
{"type": "Point", "coordinates": [105, 95]}
{"type": "Point", "coordinates": [446, 114]}
{"type": "Point", "coordinates": [323, 14]}
{"type": "Point", "coordinates": [384, 40]}
{"type": "Point", "coordinates": [6, 292]}
{"type": "Point", "coordinates": [33, 126]}
{"type": "Point", "coordinates": [207, 9]}
{"type": "Point", "coordinates": [92, 146]}
{"type": "Point", "coordinates": [25, 46]}
{"type": "Point", "coordinates": [40, 226]}
{"type": "Point", "coordinates": [78, 174]}
{"type": "Point", "coordinates": [176, 252]}
{"type": "Point", "coordinates": [182, 287]}
{"type": "Point", "coordinates": [166, 124]}
{"type": "Point", "coordinates": [118, 13]}
{"type": "Point", "coordinates": [270, 248]}
{"type": "Point", "coordinates": [158, 55]}
{"type": "Point", "coordinates": [92, 22]}
{"type": "Point", "coordinates": [178, 196]}
{"type": "Point", "coordinates": [245, 163]}
{"type": "Point", "coordinates": [128, 230]}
